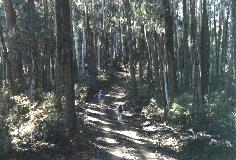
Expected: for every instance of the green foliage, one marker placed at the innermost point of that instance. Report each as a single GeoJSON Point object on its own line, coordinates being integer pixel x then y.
{"type": "Point", "coordinates": [53, 131]}
{"type": "Point", "coordinates": [51, 128]}
{"type": "Point", "coordinates": [153, 110]}
{"type": "Point", "coordinates": [5, 145]}
{"type": "Point", "coordinates": [219, 106]}
{"type": "Point", "coordinates": [218, 141]}
{"type": "Point", "coordinates": [207, 147]}
{"type": "Point", "coordinates": [222, 117]}
{"type": "Point", "coordinates": [86, 80]}
{"type": "Point", "coordinates": [181, 109]}
{"type": "Point", "coordinates": [142, 99]}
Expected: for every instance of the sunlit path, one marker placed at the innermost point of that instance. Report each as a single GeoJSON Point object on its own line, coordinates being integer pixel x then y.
{"type": "Point", "coordinates": [125, 139]}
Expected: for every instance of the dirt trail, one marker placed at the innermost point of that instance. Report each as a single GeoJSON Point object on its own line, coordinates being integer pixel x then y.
{"type": "Point", "coordinates": [128, 139]}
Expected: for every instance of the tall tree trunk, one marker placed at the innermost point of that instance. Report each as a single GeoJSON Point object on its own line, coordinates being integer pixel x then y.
{"type": "Point", "coordinates": [164, 67]}
{"type": "Point", "coordinates": [104, 38]}
{"type": "Point", "coordinates": [187, 56]}
{"type": "Point", "coordinates": [65, 51]}
{"type": "Point", "coordinates": [95, 48]}
{"type": "Point", "coordinates": [205, 49]}
{"type": "Point", "coordinates": [76, 42]}
{"type": "Point", "coordinates": [46, 50]}
{"type": "Point", "coordinates": [234, 36]}
{"type": "Point", "coordinates": [141, 53]}
{"type": "Point", "coordinates": [10, 13]}
{"type": "Point", "coordinates": [169, 49]}
{"type": "Point", "coordinates": [149, 58]}
{"type": "Point", "coordinates": [224, 47]}
{"type": "Point", "coordinates": [130, 48]}
{"type": "Point", "coordinates": [218, 49]}
{"type": "Point", "coordinates": [196, 81]}
{"type": "Point", "coordinates": [7, 69]}
{"type": "Point", "coordinates": [215, 48]}
{"type": "Point", "coordinates": [90, 57]}
{"type": "Point", "coordinates": [34, 52]}
{"type": "Point", "coordinates": [112, 52]}
{"type": "Point", "coordinates": [19, 70]}
{"type": "Point", "coordinates": [156, 65]}
{"type": "Point", "coordinates": [85, 41]}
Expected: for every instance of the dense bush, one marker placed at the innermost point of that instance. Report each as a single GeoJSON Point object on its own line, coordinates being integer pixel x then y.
{"type": "Point", "coordinates": [206, 147]}
{"type": "Point", "coordinates": [153, 110]}
{"type": "Point", "coordinates": [5, 144]}
{"type": "Point", "coordinates": [222, 117]}
{"type": "Point", "coordinates": [181, 110]}
{"type": "Point", "coordinates": [219, 108]}
{"type": "Point", "coordinates": [218, 139]}
{"type": "Point", "coordinates": [141, 99]}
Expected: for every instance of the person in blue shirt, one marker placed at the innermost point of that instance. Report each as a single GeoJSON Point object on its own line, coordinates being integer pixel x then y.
{"type": "Point", "coordinates": [101, 97]}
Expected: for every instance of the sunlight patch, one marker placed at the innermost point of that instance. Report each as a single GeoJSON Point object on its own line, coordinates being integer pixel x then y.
{"type": "Point", "coordinates": [108, 140]}
{"type": "Point", "coordinates": [137, 141]}
{"type": "Point", "coordinates": [118, 95]}
{"type": "Point", "coordinates": [96, 120]}
{"type": "Point", "coordinates": [131, 134]}
{"type": "Point", "coordinates": [170, 142]}
{"type": "Point", "coordinates": [100, 146]}
{"type": "Point", "coordinates": [150, 155]}
{"type": "Point", "coordinates": [119, 103]}
{"type": "Point", "coordinates": [150, 128]}
{"type": "Point", "coordinates": [123, 152]}
{"type": "Point", "coordinates": [106, 129]}
{"type": "Point", "coordinates": [95, 112]}
{"type": "Point", "coordinates": [128, 113]}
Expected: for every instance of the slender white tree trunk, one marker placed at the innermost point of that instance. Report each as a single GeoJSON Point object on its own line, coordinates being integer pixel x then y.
{"type": "Point", "coordinates": [84, 43]}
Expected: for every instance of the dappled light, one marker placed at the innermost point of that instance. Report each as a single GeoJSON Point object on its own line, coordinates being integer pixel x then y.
{"type": "Point", "coordinates": [117, 79]}
{"type": "Point", "coordinates": [95, 112]}
{"type": "Point", "coordinates": [123, 152]}
{"type": "Point", "coordinates": [96, 120]}
{"type": "Point", "coordinates": [107, 140]}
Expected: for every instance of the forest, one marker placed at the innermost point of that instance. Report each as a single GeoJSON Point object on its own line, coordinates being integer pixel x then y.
{"type": "Point", "coordinates": [118, 79]}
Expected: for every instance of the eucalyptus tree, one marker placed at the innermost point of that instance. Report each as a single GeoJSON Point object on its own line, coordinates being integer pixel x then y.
{"type": "Point", "coordinates": [10, 13]}
{"type": "Point", "coordinates": [169, 49]}
{"type": "Point", "coordinates": [64, 61]}
{"type": "Point", "coordinates": [234, 35]}
{"type": "Point", "coordinates": [205, 49]}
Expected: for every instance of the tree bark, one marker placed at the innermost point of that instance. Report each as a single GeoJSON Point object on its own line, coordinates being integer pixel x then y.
{"type": "Point", "coordinates": [46, 50]}
{"type": "Point", "coordinates": [234, 36]}
{"type": "Point", "coordinates": [10, 13]}
{"type": "Point", "coordinates": [65, 51]}
{"type": "Point", "coordinates": [7, 69]}
{"type": "Point", "coordinates": [141, 53]}
{"type": "Point", "coordinates": [196, 78]}
{"type": "Point", "coordinates": [169, 49]}
{"type": "Point", "coordinates": [129, 48]}
{"type": "Point", "coordinates": [224, 47]}
{"type": "Point", "coordinates": [205, 50]}
{"type": "Point", "coordinates": [187, 56]}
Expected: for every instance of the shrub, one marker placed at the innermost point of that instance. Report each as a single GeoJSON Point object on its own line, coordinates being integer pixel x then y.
{"type": "Point", "coordinates": [219, 107]}
{"type": "Point", "coordinates": [5, 145]}
{"type": "Point", "coordinates": [153, 110]}
{"type": "Point", "coordinates": [53, 131]}
{"type": "Point", "coordinates": [181, 110]}
{"type": "Point", "coordinates": [221, 116]}
{"type": "Point", "coordinates": [207, 147]}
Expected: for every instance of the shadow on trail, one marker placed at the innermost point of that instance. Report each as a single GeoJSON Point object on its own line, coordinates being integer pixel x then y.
{"type": "Point", "coordinates": [127, 139]}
